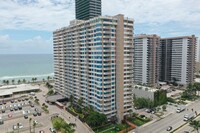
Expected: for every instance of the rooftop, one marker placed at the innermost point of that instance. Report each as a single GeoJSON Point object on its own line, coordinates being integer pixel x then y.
{"type": "Point", "coordinates": [145, 88]}
{"type": "Point", "coordinates": [11, 89]}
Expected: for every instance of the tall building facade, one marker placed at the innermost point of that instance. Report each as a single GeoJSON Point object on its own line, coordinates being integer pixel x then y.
{"type": "Point", "coordinates": [94, 61]}
{"type": "Point", "coordinates": [177, 59]}
{"type": "Point", "coordinates": [87, 9]}
{"type": "Point", "coordinates": [146, 59]}
{"type": "Point", "coordinates": [198, 51]}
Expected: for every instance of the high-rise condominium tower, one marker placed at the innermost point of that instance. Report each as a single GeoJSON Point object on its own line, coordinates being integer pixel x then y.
{"type": "Point", "coordinates": [177, 59]}
{"type": "Point", "coordinates": [94, 61]}
{"type": "Point", "coordinates": [87, 9]}
{"type": "Point", "coordinates": [146, 59]}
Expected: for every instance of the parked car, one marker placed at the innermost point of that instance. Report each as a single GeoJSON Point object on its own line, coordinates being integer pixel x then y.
{"type": "Point", "coordinates": [1, 121]}
{"type": "Point", "coordinates": [12, 101]}
{"type": "Point", "coordinates": [11, 109]}
{"type": "Point", "coordinates": [39, 113]}
{"type": "Point", "coordinates": [26, 116]}
{"type": "Point", "coordinates": [34, 113]}
{"type": "Point", "coordinates": [20, 125]}
{"type": "Point", "coordinates": [53, 130]}
{"type": "Point", "coordinates": [3, 110]}
{"type": "Point", "coordinates": [14, 127]}
{"type": "Point", "coordinates": [15, 107]}
{"type": "Point", "coordinates": [169, 128]}
{"type": "Point", "coordinates": [20, 107]}
{"type": "Point", "coordinates": [32, 105]}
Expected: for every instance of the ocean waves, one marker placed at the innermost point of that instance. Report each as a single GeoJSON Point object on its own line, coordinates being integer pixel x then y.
{"type": "Point", "coordinates": [39, 76]}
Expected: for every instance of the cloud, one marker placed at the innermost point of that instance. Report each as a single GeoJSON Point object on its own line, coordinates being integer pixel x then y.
{"type": "Point", "coordinates": [52, 14]}
{"type": "Point", "coordinates": [35, 45]}
{"type": "Point", "coordinates": [35, 14]}
{"type": "Point", "coordinates": [4, 38]}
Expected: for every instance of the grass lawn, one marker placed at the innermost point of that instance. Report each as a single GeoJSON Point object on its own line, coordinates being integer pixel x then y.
{"type": "Point", "coordinates": [111, 128]}
{"type": "Point", "coordinates": [138, 121]}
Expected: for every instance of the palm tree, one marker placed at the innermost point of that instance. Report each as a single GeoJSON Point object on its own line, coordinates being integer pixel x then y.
{"type": "Point", "coordinates": [7, 82]}
{"type": "Point", "coordinates": [195, 124]}
{"type": "Point", "coordinates": [24, 81]}
{"type": "Point", "coordinates": [13, 81]}
{"type": "Point", "coordinates": [34, 125]}
{"type": "Point", "coordinates": [19, 81]}
{"type": "Point", "coordinates": [18, 127]}
{"type": "Point", "coordinates": [33, 79]}
{"type": "Point", "coordinates": [30, 119]}
{"type": "Point", "coordinates": [48, 78]}
{"type": "Point", "coordinates": [4, 81]}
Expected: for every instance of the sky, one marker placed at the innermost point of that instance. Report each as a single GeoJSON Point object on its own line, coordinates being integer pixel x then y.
{"type": "Point", "coordinates": [26, 26]}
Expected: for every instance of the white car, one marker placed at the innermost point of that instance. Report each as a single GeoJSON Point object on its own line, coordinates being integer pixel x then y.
{"type": "Point", "coordinates": [20, 125]}
{"type": "Point", "coordinates": [35, 121]}
{"type": "Point", "coordinates": [14, 127]}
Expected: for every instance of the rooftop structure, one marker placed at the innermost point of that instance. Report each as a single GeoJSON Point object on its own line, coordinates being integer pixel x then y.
{"type": "Point", "coordinates": [87, 9]}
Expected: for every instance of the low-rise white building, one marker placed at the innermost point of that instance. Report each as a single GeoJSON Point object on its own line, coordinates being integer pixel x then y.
{"type": "Point", "coordinates": [140, 91]}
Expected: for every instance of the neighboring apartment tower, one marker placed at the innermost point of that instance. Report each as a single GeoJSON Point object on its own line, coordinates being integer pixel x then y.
{"type": "Point", "coordinates": [146, 59]}
{"type": "Point", "coordinates": [94, 61]}
{"type": "Point", "coordinates": [177, 59]}
{"type": "Point", "coordinates": [198, 51]}
{"type": "Point", "coordinates": [87, 9]}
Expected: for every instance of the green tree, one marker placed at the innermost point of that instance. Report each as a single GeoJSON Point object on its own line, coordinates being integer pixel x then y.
{"type": "Point", "coordinates": [24, 80]}
{"type": "Point", "coordinates": [48, 78]}
{"type": "Point", "coordinates": [71, 100]}
{"type": "Point", "coordinates": [30, 120]}
{"type": "Point", "coordinates": [33, 79]}
{"type": "Point", "coordinates": [18, 127]}
{"type": "Point", "coordinates": [60, 125]}
{"type": "Point", "coordinates": [7, 82]}
{"type": "Point", "coordinates": [164, 107]}
{"type": "Point", "coordinates": [13, 81]}
{"type": "Point", "coordinates": [50, 92]}
{"type": "Point", "coordinates": [96, 119]}
{"type": "Point", "coordinates": [19, 81]}
{"type": "Point", "coordinates": [34, 125]}
{"type": "Point", "coordinates": [195, 124]}
{"type": "Point", "coordinates": [80, 101]}
{"type": "Point", "coordinates": [4, 81]}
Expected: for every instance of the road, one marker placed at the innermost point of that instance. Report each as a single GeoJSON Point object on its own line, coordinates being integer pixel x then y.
{"type": "Point", "coordinates": [175, 120]}
{"type": "Point", "coordinates": [80, 127]}
{"type": "Point", "coordinates": [187, 127]}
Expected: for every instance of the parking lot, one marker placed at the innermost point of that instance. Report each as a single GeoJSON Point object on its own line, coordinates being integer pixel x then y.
{"type": "Point", "coordinates": [15, 115]}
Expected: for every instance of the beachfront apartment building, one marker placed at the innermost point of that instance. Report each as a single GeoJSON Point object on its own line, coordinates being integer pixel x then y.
{"type": "Point", "coordinates": [177, 59]}
{"type": "Point", "coordinates": [146, 59]}
{"type": "Point", "coordinates": [94, 61]}
{"type": "Point", "coordinates": [87, 9]}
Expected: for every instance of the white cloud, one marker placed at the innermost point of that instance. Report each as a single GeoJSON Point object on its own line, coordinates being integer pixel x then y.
{"type": "Point", "coordinates": [52, 14]}
{"type": "Point", "coordinates": [38, 15]}
{"type": "Point", "coordinates": [34, 45]}
{"type": "Point", "coordinates": [4, 38]}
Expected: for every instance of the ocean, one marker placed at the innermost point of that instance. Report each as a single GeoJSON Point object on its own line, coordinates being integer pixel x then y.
{"type": "Point", "coordinates": [26, 67]}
